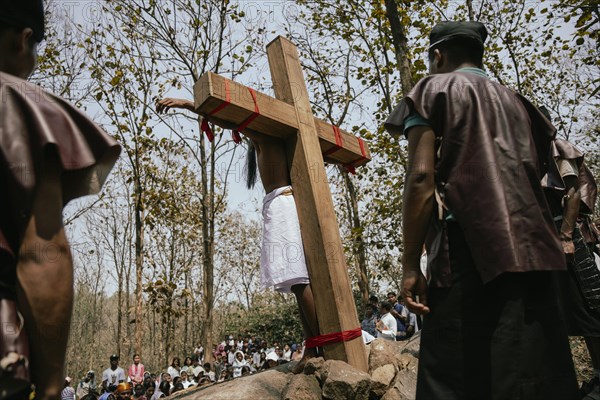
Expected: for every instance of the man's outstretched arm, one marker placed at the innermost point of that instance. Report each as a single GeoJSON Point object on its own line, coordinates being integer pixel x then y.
{"type": "Point", "coordinates": [416, 214]}
{"type": "Point", "coordinates": [164, 105]}
{"type": "Point", "coordinates": [45, 279]}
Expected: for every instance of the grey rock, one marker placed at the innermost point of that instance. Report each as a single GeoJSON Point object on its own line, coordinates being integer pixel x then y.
{"type": "Point", "coordinates": [406, 379]}
{"type": "Point", "coordinates": [404, 360]}
{"type": "Point", "coordinates": [413, 345]}
{"type": "Point", "coordinates": [314, 366]}
{"type": "Point", "coordinates": [268, 385]}
{"type": "Point", "coordinates": [392, 394]}
{"type": "Point", "coordinates": [344, 382]}
{"type": "Point", "coordinates": [383, 352]}
{"type": "Point", "coordinates": [382, 378]}
{"type": "Point", "coordinates": [303, 387]}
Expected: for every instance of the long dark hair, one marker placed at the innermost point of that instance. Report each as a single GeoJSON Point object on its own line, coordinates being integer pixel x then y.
{"type": "Point", "coordinates": [251, 166]}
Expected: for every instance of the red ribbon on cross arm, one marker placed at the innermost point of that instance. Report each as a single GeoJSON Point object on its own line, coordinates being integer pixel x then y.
{"type": "Point", "coordinates": [339, 143]}
{"type": "Point", "coordinates": [350, 167]}
{"type": "Point", "coordinates": [235, 135]}
{"type": "Point", "coordinates": [236, 132]}
{"type": "Point", "coordinates": [204, 126]}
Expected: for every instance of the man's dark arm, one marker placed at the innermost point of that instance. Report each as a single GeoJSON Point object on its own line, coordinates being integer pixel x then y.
{"type": "Point", "coordinates": [164, 105]}
{"type": "Point", "coordinates": [45, 292]}
{"type": "Point", "coordinates": [416, 214]}
{"type": "Point", "coordinates": [570, 213]}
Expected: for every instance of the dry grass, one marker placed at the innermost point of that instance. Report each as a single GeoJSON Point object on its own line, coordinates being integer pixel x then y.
{"type": "Point", "coordinates": [582, 360]}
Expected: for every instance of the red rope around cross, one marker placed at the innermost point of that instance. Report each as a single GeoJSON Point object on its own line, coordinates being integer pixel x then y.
{"type": "Point", "coordinates": [236, 132]}
{"type": "Point", "coordinates": [204, 126]}
{"type": "Point", "coordinates": [330, 338]}
{"type": "Point", "coordinates": [339, 143]}
{"type": "Point", "coordinates": [351, 166]}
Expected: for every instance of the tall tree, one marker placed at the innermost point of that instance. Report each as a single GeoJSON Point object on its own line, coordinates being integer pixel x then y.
{"type": "Point", "coordinates": [189, 39]}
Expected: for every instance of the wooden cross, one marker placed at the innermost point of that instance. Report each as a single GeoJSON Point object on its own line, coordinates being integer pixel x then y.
{"type": "Point", "coordinates": [289, 116]}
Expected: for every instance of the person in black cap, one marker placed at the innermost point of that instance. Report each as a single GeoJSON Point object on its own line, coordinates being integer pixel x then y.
{"type": "Point", "coordinates": [113, 375]}
{"type": "Point", "coordinates": [50, 153]}
{"type": "Point", "coordinates": [476, 155]}
{"type": "Point", "coordinates": [21, 29]}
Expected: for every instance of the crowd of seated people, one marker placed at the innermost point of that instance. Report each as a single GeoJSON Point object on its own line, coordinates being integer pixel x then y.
{"type": "Point", "coordinates": [232, 359]}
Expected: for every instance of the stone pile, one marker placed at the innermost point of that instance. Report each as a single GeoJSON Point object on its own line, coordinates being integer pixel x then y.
{"type": "Point", "coordinates": [392, 376]}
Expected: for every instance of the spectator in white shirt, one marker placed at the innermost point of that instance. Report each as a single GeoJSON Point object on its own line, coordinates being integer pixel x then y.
{"type": "Point", "coordinates": [209, 373]}
{"type": "Point", "coordinates": [114, 375]}
{"type": "Point", "coordinates": [185, 379]}
{"type": "Point", "coordinates": [187, 366]}
{"type": "Point", "coordinates": [287, 353]}
{"type": "Point", "coordinates": [199, 352]}
{"type": "Point", "coordinates": [174, 368]}
{"type": "Point", "coordinates": [197, 369]}
{"type": "Point", "coordinates": [386, 326]}
{"type": "Point", "coordinates": [231, 355]}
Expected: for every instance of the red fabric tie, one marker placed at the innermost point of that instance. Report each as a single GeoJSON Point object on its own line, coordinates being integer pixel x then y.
{"type": "Point", "coordinates": [204, 126]}
{"type": "Point", "coordinates": [330, 338]}
{"type": "Point", "coordinates": [350, 167]}
{"type": "Point", "coordinates": [339, 143]}
{"type": "Point", "coordinates": [251, 118]}
{"type": "Point", "coordinates": [235, 135]}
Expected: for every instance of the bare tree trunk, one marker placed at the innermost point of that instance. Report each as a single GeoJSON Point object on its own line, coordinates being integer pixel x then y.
{"type": "Point", "coordinates": [400, 45]}
{"type": "Point", "coordinates": [170, 339]}
{"type": "Point", "coordinates": [207, 261]}
{"type": "Point", "coordinates": [185, 332]}
{"type": "Point", "coordinates": [119, 308]}
{"type": "Point", "coordinates": [208, 219]}
{"type": "Point", "coordinates": [470, 10]}
{"type": "Point", "coordinates": [127, 305]}
{"type": "Point", "coordinates": [139, 265]}
{"type": "Point", "coordinates": [358, 242]}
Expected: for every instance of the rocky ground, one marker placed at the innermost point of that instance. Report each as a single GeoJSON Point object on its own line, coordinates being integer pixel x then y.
{"type": "Point", "coordinates": [392, 376]}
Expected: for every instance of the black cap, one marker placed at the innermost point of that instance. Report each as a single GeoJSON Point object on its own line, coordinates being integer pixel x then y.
{"type": "Point", "coordinates": [447, 30]}
{"type": "Point", "coordinates": [24, 14]}
{"type": "Point", "coordinates": [114, 357]}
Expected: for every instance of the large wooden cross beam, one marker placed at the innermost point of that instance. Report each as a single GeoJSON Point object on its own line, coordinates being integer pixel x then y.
{"type": "Point", "coordinates": [290, 117]}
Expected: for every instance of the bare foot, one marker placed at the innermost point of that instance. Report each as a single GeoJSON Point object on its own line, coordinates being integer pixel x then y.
{"type": "Point", "coordinates": [308, 354]}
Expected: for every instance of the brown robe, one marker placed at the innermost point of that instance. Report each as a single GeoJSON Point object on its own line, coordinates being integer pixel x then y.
{"type": "Point", "coordinates": [36, 125]}
{"type": "Point", "coordinates": [555, 187]}
{"type": "Point", "coordinates": [494, 152]}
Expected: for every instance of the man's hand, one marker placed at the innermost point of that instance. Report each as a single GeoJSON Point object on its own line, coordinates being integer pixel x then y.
{"type": "Point", "coordinates": [380, 326]}
{"type": "Point", "coordinates": [164, 105]}
{"type": "Point", "coordinates": [414, 284]}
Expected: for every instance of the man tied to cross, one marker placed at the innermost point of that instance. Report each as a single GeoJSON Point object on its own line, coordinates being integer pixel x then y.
{"type": "Point", "coordinates": [281, 229]}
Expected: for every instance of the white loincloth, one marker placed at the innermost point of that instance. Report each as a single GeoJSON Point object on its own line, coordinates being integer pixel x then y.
{"type": "Point", "coordinates": [282, 262]}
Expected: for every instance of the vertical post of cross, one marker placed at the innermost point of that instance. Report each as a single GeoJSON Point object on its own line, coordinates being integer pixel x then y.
{"type": "Point", "coordinates": [323, 248]}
